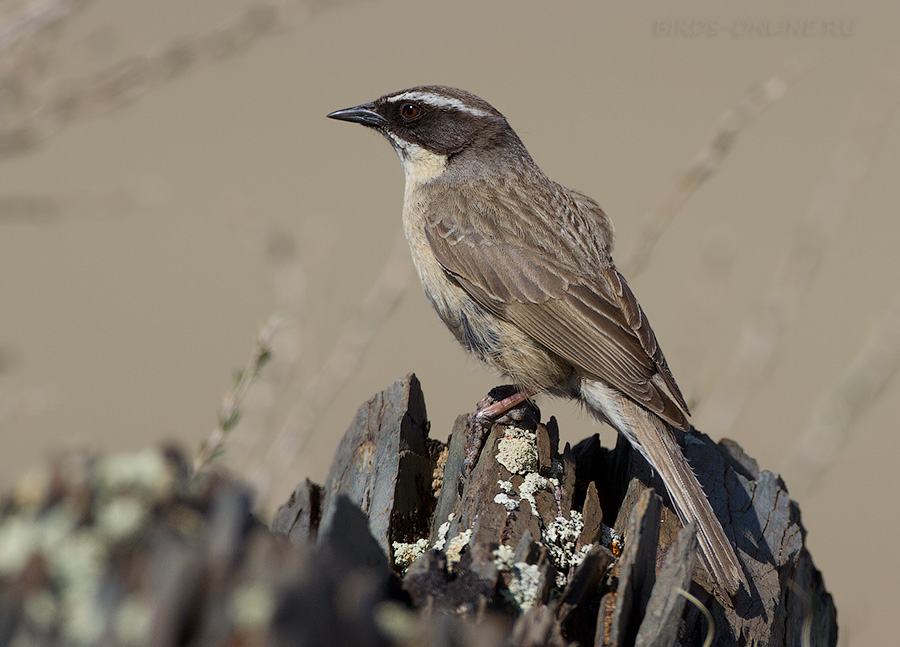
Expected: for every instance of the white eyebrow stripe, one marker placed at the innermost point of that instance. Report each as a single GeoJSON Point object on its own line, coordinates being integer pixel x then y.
{"type": "Point", "coordinates": [439, 101]}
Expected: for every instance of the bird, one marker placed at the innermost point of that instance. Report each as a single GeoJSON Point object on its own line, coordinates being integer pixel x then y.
{"type": "Point", "coordinates": [520, 270]}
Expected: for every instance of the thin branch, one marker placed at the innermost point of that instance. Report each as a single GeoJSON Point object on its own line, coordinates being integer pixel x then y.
{"type": "Point", "coordinates": [708, 161]}
{"type": "Point", "coordinates": [761, 338]}
{"type": "Point", "coordinates": [838, 409]}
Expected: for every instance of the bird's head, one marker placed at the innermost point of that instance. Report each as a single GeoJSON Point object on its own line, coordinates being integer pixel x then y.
{"type": "Point", "coordinates": [435, 128]}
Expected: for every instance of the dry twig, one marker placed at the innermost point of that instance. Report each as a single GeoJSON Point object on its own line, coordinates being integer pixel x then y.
{"type": "Point", "coordinates": [230, 412]}
{"type": "Point", "coordinates": [761, 337]}
{"type": "Point", "coordinates": [291, 439]}
{"type": "Point", "coordinates": [708, 160]}
{"type": "Point", "coordinates": [840, 407]}
{"type": "Point", "coordinates": [33, 17]}
{"type": "Point", "coordinates": [36, 105]}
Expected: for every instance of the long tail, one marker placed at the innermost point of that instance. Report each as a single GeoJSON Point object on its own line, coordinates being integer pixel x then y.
{"type": "Point", "coordinates": [655, 440]}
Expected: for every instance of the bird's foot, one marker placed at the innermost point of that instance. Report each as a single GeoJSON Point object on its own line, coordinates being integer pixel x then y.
{"type": "Point", "coordinates": [504, 405]}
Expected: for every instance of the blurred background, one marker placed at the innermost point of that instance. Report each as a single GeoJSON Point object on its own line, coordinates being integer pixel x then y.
{"type": "Point", "coordinates": [173, 200]}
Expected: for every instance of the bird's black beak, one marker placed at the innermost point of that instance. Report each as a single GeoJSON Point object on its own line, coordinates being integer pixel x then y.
{"type": "Point", "coordinates": [364, 114]}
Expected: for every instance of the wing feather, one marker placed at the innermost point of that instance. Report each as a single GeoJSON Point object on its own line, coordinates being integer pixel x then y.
{"type": "Point", "coordinates": [586, 315]}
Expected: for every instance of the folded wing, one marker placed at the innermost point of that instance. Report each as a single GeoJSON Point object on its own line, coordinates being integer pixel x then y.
{"type": "Point", "coordinates": [586, 315]}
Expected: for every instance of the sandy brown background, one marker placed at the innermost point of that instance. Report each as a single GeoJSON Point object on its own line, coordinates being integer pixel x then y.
{"type": "Point", "coordinates": [142, 247]}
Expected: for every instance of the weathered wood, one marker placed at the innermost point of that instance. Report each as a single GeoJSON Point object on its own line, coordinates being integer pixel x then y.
{"type": "Point", "coordinates": [662, 619]}
{"type": "Point", "coordinates": [129, 550]}
{"type": "Point", "coordinates": [298, 519]}
{"type": "Point", "coordinates": [622, 613]}
{"type": "Point", "coordinates": [592, 516]}
{"type": "Point", "coordinates": [576, 613]}
{"type": "Point", "coordinates": [525, 552]}
{"type": "Point", "coordinates": [383, 465]}
{"type": "Point", "coordinates": [537, 627]}
{"type": "Point", "coordinates": [448, 499]}
{"type": "Point", "coordinates": [346, 537]}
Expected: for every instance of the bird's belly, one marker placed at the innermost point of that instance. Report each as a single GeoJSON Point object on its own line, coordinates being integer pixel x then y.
{"type": "Point", "coordinates": [499, 344]}
{"type": "Point", "coordinates": [478, 331]}
{"type": "Point", "coordinates": [494, 341]}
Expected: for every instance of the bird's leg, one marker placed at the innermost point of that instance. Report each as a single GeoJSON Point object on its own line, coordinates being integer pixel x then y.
{"type": "Point", "coordinates": [492, 410]}
{"type": "Point", "coordinates": [503, 405]}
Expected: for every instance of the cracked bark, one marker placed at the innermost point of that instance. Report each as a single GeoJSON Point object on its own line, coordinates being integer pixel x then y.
{"type": "Point", "coordinates": [615, 487]}
{"type": "Point", "coordinates": [507, 573]}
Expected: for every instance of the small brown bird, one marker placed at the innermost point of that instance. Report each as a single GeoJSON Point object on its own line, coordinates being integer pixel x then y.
{"type": "Point", "coordinates": [520, 269]}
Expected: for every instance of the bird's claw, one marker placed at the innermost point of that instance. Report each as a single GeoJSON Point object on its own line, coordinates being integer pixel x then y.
{"type": "Point", "coordinates": [504, 405]}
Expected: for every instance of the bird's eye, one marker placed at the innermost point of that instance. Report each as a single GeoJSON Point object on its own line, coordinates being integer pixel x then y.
{"type": "Point", "coordinates": [410, 110]}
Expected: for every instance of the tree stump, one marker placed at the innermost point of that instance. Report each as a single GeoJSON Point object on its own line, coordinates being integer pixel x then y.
{"type": "Point", "coordinates": [574, 545]}
{"type": "Point", "coordinates": [539, 545]}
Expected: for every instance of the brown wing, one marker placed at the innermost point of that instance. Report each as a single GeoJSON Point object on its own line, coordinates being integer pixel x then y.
{"type": "Point", "coordinates": [587, 316]}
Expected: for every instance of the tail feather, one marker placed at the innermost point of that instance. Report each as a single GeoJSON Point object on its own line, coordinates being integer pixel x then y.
{"type": "Point", "coordinates": [653, 438]}
{"type": "Point", "coordinates": [691, 504]}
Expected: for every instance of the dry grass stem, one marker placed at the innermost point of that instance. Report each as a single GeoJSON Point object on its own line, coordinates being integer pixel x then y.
{"type": "Point", "coordinates": [759, 342]}
{"type": "Point", "coordinates": [806, 635]}
{"type": "Point", "coordinates": [380, 301]}
{"type": "Point", "coordinates": [708, 160]}
{"type": "Point", "coordinates": [293, 348]}
{"type": "Point", "coordinates": [84, 204]}
{"type": "Point", "coordinates": [36, 105]}
{"type": "Point", "coordinates": [841, 406]}
{"type": "Point", "coordinates": [710, 626]}
{"type": "Point", "coordinates": [26, 19]}
{"type": "Point", "coordinates": [230, 411]}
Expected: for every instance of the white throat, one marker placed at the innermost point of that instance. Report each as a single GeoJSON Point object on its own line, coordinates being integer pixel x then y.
{"type": "Point", "coordinates": [419, 164]}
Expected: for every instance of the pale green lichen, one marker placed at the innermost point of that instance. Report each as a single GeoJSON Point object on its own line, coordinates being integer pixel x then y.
{"type": "Point", "coordinates": [443, 529]}
{"type": "Point", "coordinates": [406, 553]}
{"type": "Point", "coordinates": [80, 561]}
{"type": "Point", "coordinates": [524, 582]}
{"type": "Point", "coordinates": [76, 560]}
{"type": "Point", "coordinates": [83, 618]}
{"type": "Point", "coordinates": [253, 605]}
{"type": "Point", "coordinates": [506, 501]}
{"type": "Point", "coordinates": [146, 470]}
{"type": "Point", "coordinates": [560, 538]}
{"type": "Point", "coordinates": [397, 622]}
{"type": "Point", "coordinates": [525, 585]}
{"type": "Point", "coordinates": [517, 451]}
{"type": "Point", "coordinates": [17, 542]}
{"type": "Point", "coordinates": [133, 621]}
{"type": "Point", "coordinates": [504, 498]}
{"type": "Point", "coordinates": [532, 484]}
{"type": "Point", "coordinates": [456, 546]}
{"type": "Point", "coordinates": [121, 517]}
{"type": "Point", "coordinates": [503, 556]}
{"type": "Point", "coordinates": [41, 609]}
{"type": "Point", "coordinates": [22, 536]}
{"type": "Point", "coordinates": [580, 554]}
{"type": "Point", "coordinates": [610, 539]}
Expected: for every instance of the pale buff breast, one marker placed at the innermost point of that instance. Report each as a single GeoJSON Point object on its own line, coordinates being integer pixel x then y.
{"type": "Point", "coordinates": [496, 342]}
